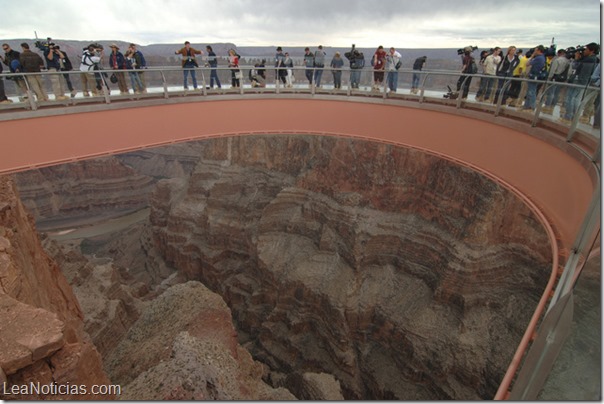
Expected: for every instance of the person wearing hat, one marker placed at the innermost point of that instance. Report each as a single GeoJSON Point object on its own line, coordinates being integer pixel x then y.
{"type": "Point", "coordinates": [117, 61]}
{"type": "Point", "coordinates": [280, 65]}
{"type": "Point", "coordinates": [189, 63]}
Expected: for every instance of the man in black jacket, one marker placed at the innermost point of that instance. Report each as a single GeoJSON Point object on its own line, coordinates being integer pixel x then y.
{"type": "Point", "coordinates": [66, 66]}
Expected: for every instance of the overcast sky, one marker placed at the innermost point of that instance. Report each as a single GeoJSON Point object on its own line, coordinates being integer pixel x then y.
{"type": "Point", "coordinates": [367, 23]}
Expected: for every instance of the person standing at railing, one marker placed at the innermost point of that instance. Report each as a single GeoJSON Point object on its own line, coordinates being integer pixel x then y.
{"type": "Point", "coordinates": [587, 62]}
{"type": "Point", "coordinates": [336, 64]}
{"type": "Point", "coordinates": [379, 64]}
{"type": "Point", "coordinates": [536, 65]}
{"type": "Point", "coordinates": [135, 79]}
{"type": "Point", "coordinates": [236, 74]}
{"type": "Point", "coordinates": [467, 70]}
{"type": "Point", "coordinates": [281, 70]}
{"type": "Point", "coordinates": [357, 63]}
{"type": "Point", "coordinates": [309, 63]}
{"type": "Point", "coordinates": [595, 81]}
{"type": "Point", "coordinates": [319, 65]}
{"type": "Point", "coordinates": [117, 61]}
{"type": "Point", "coordinates": [418, 65]}
{"type": "Point", "coordinates": [289, 64]}
{"type": "Point", "coordinates": [505, 70]}
{"type": "Point", "coordinates": [11, 60]}
{"type": "Point", "coordinates": [189, 63]}
{"type": "Point", "coordinates": [66, 66]}
{"type": "Point", "coordinates": [89, 60]}
{"type": "Point", "coordinates": [490, 68]}
{"type": "Point", "coordinates": [53, 63]}
{"type": "Point", "coordinates": [213, 63]}
{"type": "Point", "coordinates": [141, 64]}
{"type": "Point", "coordinates": [3, 98]}
{"type": "Point", "coordinates": [558, 73]}
{"type": "Point", "coordinates": [393, 63]}
{"type": "Point", "coordinates": [32, 63]}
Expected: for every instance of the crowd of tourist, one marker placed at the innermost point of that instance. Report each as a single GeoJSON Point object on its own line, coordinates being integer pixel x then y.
{"type": "Point", "coordinates": [495, 68]}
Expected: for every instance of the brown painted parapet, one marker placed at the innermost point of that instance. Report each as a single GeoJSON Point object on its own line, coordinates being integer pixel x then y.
{"type": "Point", "coordinates": [559, 183]}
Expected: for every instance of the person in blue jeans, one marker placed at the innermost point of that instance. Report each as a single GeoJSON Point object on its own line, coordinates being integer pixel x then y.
{"type": "Point", "coordinates": [213, 63]}
{"type": "Point", "coordinates": [189, 63]}
{"type": "Point", "coordinates": [537, 64]}
{"type": "Point", "coordinates": [393, 63]}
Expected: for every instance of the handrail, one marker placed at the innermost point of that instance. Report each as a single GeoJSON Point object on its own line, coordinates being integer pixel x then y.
{"type": "Point", "coordinates": [168, 90]}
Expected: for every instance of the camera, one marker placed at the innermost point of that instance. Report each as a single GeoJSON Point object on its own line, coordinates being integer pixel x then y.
{"type": "Point", "coordinates": [466, 49]}
{"type": "Point", "coordinates": [572, 51]}
{"type": "Point", "coordinates": [42, 45]}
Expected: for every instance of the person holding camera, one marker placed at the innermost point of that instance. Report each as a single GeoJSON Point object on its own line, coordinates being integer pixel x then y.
{"type": "Point", "coordinates": [11, 59]}
{"type": "Point", "coordinates": [66, 66]}
{"type": "Point", "coordinates": [89, 63]}
{"type": "Point", "coordinates": [536, 66]}
{"type": "Point", "coordinates": [52, 55]}
{"type": "Point", "coordinates": [586, 64]}
{"type": "Point", "coordinates": [189, 63]}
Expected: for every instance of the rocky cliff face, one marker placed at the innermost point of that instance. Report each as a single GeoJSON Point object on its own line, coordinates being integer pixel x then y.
{"type": "Point", "coordinates": [184, 347]}
{"type": "Point", "coordinates": [401, 274]}
{"type": "Point", "coordinates": [83, 190]}
{"type": "Point", "coordinates": [41, 329]}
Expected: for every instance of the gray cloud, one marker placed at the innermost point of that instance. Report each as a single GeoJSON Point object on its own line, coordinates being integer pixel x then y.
{"type": "Point", "coordinates": [403, 23]}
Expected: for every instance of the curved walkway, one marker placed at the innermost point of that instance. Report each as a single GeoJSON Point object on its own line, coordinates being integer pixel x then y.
{"type": "Point", "coordinates": [560, 183]}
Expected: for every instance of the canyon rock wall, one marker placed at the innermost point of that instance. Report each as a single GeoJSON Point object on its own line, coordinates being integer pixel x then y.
{"type": "Point", "coordinates": [41, 330]}
{"type": "Point", "coordinates": [184, 347]}
{"type": "Point", "coordinates": [83, 190]}
{"type": "Point", "coordinates": [401, 274]}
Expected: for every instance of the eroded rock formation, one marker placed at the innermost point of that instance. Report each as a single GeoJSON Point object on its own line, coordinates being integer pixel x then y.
{"type": "Point", "coordinates": [41, 329]}
{"type": "Point", "coordinates": [184, 347]}
{"type": "Point", "coordinates": [401, 274]}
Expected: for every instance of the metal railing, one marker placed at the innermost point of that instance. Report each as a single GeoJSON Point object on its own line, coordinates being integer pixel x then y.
{"type": "Point", "coordinates": [168, 82]}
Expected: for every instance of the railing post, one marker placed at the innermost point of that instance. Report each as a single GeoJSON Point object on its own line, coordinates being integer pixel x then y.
{"type": "Point", "coordinates": [30, 94]}
{"type": "Point", "coordinates": [204, 90]}
{"type": "Point", "coordinates": [312, 81]}
{"type": "Point", "coordinates": [422, 87]}
{"type": "Point", "coordinates": [165, 84]}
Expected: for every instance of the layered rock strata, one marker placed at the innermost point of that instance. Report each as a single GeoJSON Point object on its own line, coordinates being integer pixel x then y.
{"type": "Point", "coordinates": [84, 190]}
{"type": "Point", "coordinates": [401, 274]}
{"type": "Point", "coordinates": [41, 329]}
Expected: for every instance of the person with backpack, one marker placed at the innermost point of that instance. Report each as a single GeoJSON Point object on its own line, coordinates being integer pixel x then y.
{"type": "Point", "coordinates": [468, 69]}
{"type": "Point", "coordinates": [319, 65]}
{"type": "Point", "coordinates": [88, 61]}
{"type": "Point", "coordinates": [393, 63]}
{"type": "Point", "coordinates": [357, 63]}
{"type": "Point", "coordinates": [558, 73]}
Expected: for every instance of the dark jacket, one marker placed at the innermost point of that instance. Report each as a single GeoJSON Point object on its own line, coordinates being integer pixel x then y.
{"type": "Point", "coordinates": [212, 61]}
{"type": "Point", "coordinates": [506, 67]}
{"type": "Point", "coordinates": [30, 62]}
{"type": "Point", "coordinates": [117, 61]}
{"type": "Point", "coordinates": [10, 56]}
